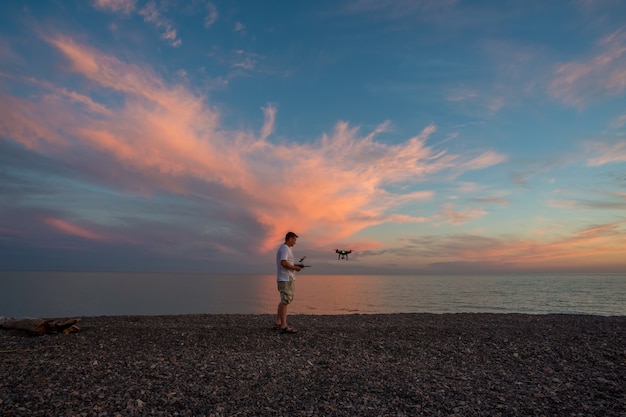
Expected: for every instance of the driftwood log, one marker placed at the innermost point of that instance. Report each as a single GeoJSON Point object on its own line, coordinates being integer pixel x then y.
{"type": "Point", "coordinates": [40, 327]}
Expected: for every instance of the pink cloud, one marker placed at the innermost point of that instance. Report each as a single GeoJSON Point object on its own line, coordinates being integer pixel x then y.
{"type": "Point", "coordinates": [449, 215]}
{"type": "Point", "coordinates": [576, 83]}
{"type": "Point", "coordinates": [597, 245]}
{"type": "Point", "coordinates": [151, 14]}
{"type": "Point", "coordinates": [604, 153]}
{"type": "Point", "coordinates": [328, 188]}
{"type": "Point", "coordinates": [68, 228]}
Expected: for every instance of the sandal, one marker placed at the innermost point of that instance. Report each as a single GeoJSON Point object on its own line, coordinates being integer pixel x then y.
{"type": "Point", "coordinates": [288, 330]}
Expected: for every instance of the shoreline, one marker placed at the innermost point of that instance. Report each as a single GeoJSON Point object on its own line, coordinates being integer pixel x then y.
{"type": "Point", "coordinates": [465, 364]}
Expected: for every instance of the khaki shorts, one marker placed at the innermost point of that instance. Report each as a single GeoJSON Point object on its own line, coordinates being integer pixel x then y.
{"type": "Point", "coordinates": [287, 290]}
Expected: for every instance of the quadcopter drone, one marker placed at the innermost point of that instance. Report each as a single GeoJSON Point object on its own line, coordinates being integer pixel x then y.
{"type": "Point", "coordinates": [343, 254]}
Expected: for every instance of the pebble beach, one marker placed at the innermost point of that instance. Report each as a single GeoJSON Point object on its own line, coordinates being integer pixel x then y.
{"type": "Point", "coordinates": [340, 365]}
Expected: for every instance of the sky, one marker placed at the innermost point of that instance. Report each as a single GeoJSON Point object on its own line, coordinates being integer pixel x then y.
{"type": "Point", "coordinates": [427, 136]}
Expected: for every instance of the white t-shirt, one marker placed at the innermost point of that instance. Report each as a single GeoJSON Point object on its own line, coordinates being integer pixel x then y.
{"type": "Point", "coordinates": [284, 254]}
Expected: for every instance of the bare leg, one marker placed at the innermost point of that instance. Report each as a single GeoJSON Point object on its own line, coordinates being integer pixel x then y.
{"type": "Point", "coordinates": [281, 317]}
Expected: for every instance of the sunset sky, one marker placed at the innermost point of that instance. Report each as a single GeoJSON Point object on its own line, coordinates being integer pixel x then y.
{"type": "Point", "coordinates": [432, 136]}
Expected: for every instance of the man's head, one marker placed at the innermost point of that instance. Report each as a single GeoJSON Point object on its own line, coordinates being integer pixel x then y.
{"type": "Point", "coordinates": [290, 238]}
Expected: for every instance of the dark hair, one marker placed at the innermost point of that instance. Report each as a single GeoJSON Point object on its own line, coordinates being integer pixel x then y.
{"type": "Point", "coordinates": [289, 235]}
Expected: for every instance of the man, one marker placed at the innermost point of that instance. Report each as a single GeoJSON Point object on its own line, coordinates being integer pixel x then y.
{"type": "Point", "coordinates": [286, 276]}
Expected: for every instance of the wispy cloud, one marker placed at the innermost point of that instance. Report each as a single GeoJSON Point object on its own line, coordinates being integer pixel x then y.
{"type": "Point", "coordinates": [121, 6]}
{"type": "Point", "coordinates": [244, 60]}
{"type": "Point", "coordinates": [602, 153]}
{"type": "Point", "coordinates": [239, 28]}
{"type": "Point", "coordinates": [493, 200]}
{"type": "Point", "coordinates": [461, 94]}
{"type": "Point", "coordinates": [330, 187]}
{"type": "Point", "coordinates": [604, 74]}
{"type": "Point", "coordinates": [450, 215]}
{"type": "Point", "coordinates": [152, 14]}
{"type": "Point", "coordinates": [619, 122]}
{"type": "Point", "coordinates": [211, 16]}
{"type": "Point", "coordinates": [71, 229]}
{"type": "Point", "coordinates": [469, 252]}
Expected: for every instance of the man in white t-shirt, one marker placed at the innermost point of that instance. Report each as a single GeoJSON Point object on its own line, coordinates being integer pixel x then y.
{"type": "Point", "coordinates": [286, 277]}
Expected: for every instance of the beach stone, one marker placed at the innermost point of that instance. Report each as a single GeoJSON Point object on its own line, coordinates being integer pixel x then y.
{"type": "Point", "coordinates": [344, 365]}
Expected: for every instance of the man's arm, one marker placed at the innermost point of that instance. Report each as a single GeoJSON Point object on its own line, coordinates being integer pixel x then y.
{"type": "Point", "coordinates": [285, 264]}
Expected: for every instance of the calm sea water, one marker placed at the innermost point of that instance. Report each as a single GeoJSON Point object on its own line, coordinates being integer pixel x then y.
{"type": "Point", "coordinates": [63, 294]}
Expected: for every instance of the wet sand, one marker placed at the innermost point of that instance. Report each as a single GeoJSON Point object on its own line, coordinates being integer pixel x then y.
{"type": "Point", "coordinates": [344, 365]}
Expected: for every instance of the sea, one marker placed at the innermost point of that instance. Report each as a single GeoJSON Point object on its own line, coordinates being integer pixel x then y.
{"type": "Point", "coordinates": [56, 294]}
